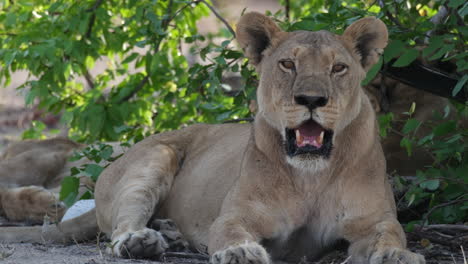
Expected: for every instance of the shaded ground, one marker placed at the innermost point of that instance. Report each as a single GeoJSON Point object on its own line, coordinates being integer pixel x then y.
{"type": "Point", "coordinates": [94, 253]}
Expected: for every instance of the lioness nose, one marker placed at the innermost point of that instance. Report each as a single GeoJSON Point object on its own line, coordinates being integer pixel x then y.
{"type": "Point", "coordinates": [311, 102]}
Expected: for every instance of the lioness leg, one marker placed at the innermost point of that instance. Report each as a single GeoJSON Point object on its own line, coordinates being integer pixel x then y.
{"type": "Point", "coordinates": [235, 238]}
{"type": "Point", "coordinates": [147, 178]}
{"type": "Point", "coordinates": [384, 244]}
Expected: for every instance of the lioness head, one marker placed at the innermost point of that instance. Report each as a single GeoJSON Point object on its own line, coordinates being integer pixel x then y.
{"type": "Point", "coordinates": [310, 81]}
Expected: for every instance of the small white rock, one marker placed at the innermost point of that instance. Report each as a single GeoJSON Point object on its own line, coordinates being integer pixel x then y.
{"type": "Point", "coordinates": [79, 208]}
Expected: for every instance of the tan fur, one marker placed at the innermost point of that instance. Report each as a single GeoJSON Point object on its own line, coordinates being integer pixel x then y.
{"type": "Point", "coordinates": [30, 175]}
{"type": "Point", "coordinates": [27, 170]}
{"type": "Point", "coordinates": [236, 189]}
{"type": "Point", "coordinates": [232, 189]}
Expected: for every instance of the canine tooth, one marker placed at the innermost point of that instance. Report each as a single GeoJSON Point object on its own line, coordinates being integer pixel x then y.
{"type": "Point", "coordinates": [320, 138]}
{"type": "Point", "coordinates": [299, 138]}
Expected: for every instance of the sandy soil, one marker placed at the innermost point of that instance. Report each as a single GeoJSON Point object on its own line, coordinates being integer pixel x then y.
{"type": "Point", "coordinates": [74, 254]}
{"type": "Point", "coordinates": [93, 253]}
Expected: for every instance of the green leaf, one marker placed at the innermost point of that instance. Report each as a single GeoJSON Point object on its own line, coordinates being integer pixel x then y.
{"type": "Point", "coordinates": [407, 58]}
{"type": "Point", "coordinates": [431, 185]}
{"type": "Point", "coordinates": [411, 199]}
{"type": "Point", "coordinates": [459, 85]}
{"type": "Point", "coordinates": [464, 10]}
{"type": "Point", "coordinates": [385, 123]}
{"type": "Point", "coordinates": [411, 125]}
{"type": "Point", "coordinates": [442, 51]}
{"type": "Point", "coordinates": [444, 128]}
{"type": "Point", "coordinates": [425, 139]}
{"type": "Point", "coordinates": [456, 3]}
{"type": "Point", "coordinates": [69, 190]}
{"type": "Point", "coordinates": [373, 72]}
{"type": "Point", "coordinates": [106, 152]}
{"type": "Point", "coordinates": [393, 49]}
{"type": "Point", "coordinates": [93, 170]}
{"type": "Point", "coordinates": [10, 19]}
{"type": "Point", "coordinates": [434, 44]}
{"type": "Point", "coordinates": [130, 58]}
{"type": "Point", "coordinates": [406, 143]}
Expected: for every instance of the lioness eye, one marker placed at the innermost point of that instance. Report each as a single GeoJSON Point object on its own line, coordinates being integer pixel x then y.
{"type": "Point", "coordinates": [287, 64]}
{"type": "Point", "coordinates": [337, 68]}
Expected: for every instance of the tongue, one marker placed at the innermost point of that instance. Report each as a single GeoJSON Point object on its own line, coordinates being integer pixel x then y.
{"type": "Point", "coordinates": [310, 129]}
{"type": "Point", "coordinates": [309, 133]}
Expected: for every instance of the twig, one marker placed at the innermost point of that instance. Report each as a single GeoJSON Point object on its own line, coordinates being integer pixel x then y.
{"type": "Point", "coordinates": [445, 242]}
{"type": "Point", "coordinates": [400, 200]}
{"type": "Point", "coordinates": [144, 81]}
{"type": "Point", "coordinates": [424, 220]}
{"type": "Point", "coordinates": [165, 25]}
{"type": "Point", "coordinates": [287, 7]}
{"type": "Point", "coordinates": [464, 257]}
{"type": "Point", "coordinates": [220, 17]}
{"type": "Point", "coordinates": [463, 228]}
{"type": "Point", "coordinates": [389, 15]}
{"type": "Point", "coordinates": [137, 88]}
{"type": "Point", "coordinates": [88, 78]}
{"type": "Point", "coordinates": [7, 34]}
{"type": "Point", "coordinates": [182, 8]}
{"type": "Point", "coordinates": [92, 19]}
{"type": "Point", "coordinates": [248, 119]}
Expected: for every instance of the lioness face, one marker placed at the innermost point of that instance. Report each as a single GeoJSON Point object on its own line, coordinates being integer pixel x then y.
{"type": "Point", "coordinates": [309, 91]}
{"type": "Point", "coordinates": [310, 81]}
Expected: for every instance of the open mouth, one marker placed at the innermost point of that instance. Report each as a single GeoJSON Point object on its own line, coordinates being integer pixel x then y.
{"type": "Point", "coordinates": [309, 138]}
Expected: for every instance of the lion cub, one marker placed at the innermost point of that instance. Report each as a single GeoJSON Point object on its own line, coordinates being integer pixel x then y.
{"type": "Point", "coordinates": [307, 173]}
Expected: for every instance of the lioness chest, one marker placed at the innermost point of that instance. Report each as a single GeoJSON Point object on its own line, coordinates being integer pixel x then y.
{"type": "Point", "coordinates": [211, 167]}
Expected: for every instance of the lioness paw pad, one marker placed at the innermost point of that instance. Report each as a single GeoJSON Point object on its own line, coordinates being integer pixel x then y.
{"type": "Point", "coordinates": [145, 243]}
{"type": "Point", "coordinates": [249, 253]}
{"type": "Point", "coordinates": [396, 256]}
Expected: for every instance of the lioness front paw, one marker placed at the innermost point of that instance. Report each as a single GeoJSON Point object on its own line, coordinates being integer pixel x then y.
{"type": "Point", "coordinates": [248, 253]}
{"type": "Point", "coordinates": [396, 256]}
{"type": "Point", "coordinates": [145, 243]}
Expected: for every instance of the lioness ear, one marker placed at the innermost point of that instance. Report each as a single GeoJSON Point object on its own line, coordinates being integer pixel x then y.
{"type": "Point", "coordinates": [368, 37]}
{"type": "Point", "coordinates": [256, 32]}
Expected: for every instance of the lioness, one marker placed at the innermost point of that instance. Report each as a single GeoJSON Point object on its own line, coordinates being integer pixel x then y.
{"type": "Point", "coordinates": [30, 176]}
{"type": "Point", "coordinates": [307, 173]}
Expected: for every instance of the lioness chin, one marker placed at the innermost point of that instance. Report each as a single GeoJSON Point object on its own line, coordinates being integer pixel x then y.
{"type": "Point", "coordinates": [306, 174]}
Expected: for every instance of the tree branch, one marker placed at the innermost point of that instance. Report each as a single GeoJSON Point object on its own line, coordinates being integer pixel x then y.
{"type": "Point", "coordinates": [164, 25]}
{"type": "Point", "coordinates": [458, 228]}
{"type": "Point", "coordinates": [424, 220]}
{"type": "Point", "coordinates": [92, 19]}
{"type": "Point", "coordinates": [88, 78]}
{"type": "Point", "coordinates": [287, 7]}
{"type": "Point", "coordinates": [389, 15]}
{"type": "Point", "coordinates": [219, 17]}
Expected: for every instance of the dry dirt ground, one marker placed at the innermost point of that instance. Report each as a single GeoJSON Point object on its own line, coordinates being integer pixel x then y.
{"type": "Point", "coordinates": [15, 118]}
{"type": "Point", "coordinates": [94, 253]}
